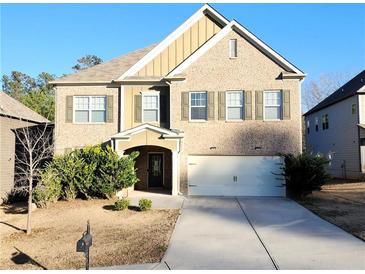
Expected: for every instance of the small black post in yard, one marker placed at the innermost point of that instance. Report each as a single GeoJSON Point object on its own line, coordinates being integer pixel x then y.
{"type": "Point", "coordinates": [84, 244]}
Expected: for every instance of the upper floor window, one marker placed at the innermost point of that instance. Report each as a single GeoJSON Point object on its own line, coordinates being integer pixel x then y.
{"type": "Point", "coordinates": [353, 109]}
{"type": "Point", "coordinates": [151, 107]}
{"type": "Point", "coordinates": [90, 109]}
{"type": "Point", "coordinates": [272, 105]}
{"type": "Point", "coordinates": [308, 126]}
{"type": "Point", "coordinates": [233, 48]}
{"type": "Point", "coordinates": [316, 123]}
{"type": "Point", "coordinates": [234, 103]}
{"type": "Point", "coordinates": [325, 123]}
{"type": "Point", "coordinates": [198, 105]}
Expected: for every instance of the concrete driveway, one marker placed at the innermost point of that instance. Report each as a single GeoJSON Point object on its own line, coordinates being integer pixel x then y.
{"type": "Point", "coordinates": [258, 233]}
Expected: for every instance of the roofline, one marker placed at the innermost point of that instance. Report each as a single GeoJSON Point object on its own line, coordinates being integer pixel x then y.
{"type": "Point", "coordinates": [206, 9]}
{"type": "Point", "coordinates": [131, 131]}
{"type": "Point", "coordinates": [235, 26]}
{"type": "Point", "coordinates": [312, 110]}
{"type": "Point", "coordinates": [24, 119]}
{"type": "Point", "coordinates": [59, 83]}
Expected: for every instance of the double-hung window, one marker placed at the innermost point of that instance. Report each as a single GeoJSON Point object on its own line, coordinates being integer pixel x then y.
{"type": "Point", "coordinates": [272, 105]}
{"type": "Point", "coordinates": [234, 103]}
{"type": "Point", "coordinates": [151, 107]}
{"type": "Point", "coordinates": [316, 123]}
{"type": "Point", "coordinates": [325, 122]}
{"type": "Point", "coordinates": [90, 109]}
{"type": "Point", "coordinates": [198, 105]}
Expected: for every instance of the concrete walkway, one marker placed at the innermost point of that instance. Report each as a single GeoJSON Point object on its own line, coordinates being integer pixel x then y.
{"type": "Point", "coordinates": [258, 233]}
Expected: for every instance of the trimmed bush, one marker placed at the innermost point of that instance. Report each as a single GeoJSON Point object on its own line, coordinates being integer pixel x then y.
{"type": "Point", "coordinates": [304, 173]}
{"type": "Point", "coordinates": [91, 172]}
{"type": "Point", "coordinates": [48, 190]}
{"type": "Point", "coordinates": [122, 204]}
{"type": "Point", "coordinates": [145, 204]}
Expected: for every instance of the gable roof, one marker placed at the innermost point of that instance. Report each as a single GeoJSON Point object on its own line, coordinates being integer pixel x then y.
{"type": "Point", "coordinates": [235, 26]}
{"type": "Point", "coordinates": [126, 66]}
{"type": "Point", "coordinates": [347, 90]}
{"type": "Point", "coordinates": [166, 133]}
{"type": "Point", "coordinates": [108, 71]}
{"type": "Point", "coordinates": [13, 108]}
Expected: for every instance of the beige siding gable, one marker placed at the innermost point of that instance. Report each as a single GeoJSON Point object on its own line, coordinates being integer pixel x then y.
{"type": "Point", "coordinates": [185, 45]}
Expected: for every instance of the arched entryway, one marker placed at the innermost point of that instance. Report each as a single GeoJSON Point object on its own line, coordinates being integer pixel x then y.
{"type": "Point", "coordinates": [154, 168]}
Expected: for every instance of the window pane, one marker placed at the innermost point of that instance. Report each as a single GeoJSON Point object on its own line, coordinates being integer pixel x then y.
{"type": "Point", "coordinates": [233, 48]}
{"type": "Point", "coordinates": [98, 116]}
{"type": "Point", "coordinates": [235, 113]}
{"type": "Point", "coordinates": [150, 115]}
{"type": "Point", "coordinates": [198, 99]}
{"type": "Point", "coordinates": [150, 101]}
{"type": "Point", "coordinates": [273, 98]}
{"type": "Point", "coordinates": [272, 113]}
{"type": "Point", "coordinates": [81, 116]}
{"type": "Point", "coordinates": [198, 113]}
{"type": "Point", "coordinates": [235, 99]}
{"type": "Point", "coordinates": [81, 103]}
{"type": "Point", "coordinates": [98, 103]}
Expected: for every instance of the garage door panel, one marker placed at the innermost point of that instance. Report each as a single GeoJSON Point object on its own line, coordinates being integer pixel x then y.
{"type": "Point", "coordinates": [234, 176]}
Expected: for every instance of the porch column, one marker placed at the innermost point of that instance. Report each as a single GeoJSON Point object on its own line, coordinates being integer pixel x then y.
{"type": "Point", "coordinates": [175, 172]}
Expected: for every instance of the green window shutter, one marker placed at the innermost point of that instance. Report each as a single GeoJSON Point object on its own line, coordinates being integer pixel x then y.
{"type": "Point", "coordinates": [69, 109]}
{"type": "Point", "coordinates": [259, 100]}
{"type": "Point", "coordinates": [248, 104]}
{"type": "Point", "coordinates": [185, 106]}
{"type": "Point", "coordinates": [211, 105]}
{"type": "Point", "coordinates": [109, 109]}
{"type": "Point", "coordinates": [286, 104]}
{"type": "Point", "coordinates": [138, 108]}
{"type": "Point", "coordinates": [222, 105]}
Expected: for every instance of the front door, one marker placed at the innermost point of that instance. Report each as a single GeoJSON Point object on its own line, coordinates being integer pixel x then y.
{"type": "Point", "coordinates": [155, 170]}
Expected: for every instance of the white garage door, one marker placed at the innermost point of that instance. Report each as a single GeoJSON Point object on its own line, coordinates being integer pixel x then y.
{"type": "Point", "coordinates": [234, 176]}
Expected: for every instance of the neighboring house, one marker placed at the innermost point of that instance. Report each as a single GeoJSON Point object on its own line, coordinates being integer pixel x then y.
{"type": "Point", "coordinates": [208, 108]}
{"type": "Point", "coordinates": [335, 128]}
{"type": "Point", "coordinates": [13, 115]}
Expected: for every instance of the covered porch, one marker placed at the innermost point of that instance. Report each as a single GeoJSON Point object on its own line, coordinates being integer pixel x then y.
{"type": "Point", "coordinates": [159, 156]}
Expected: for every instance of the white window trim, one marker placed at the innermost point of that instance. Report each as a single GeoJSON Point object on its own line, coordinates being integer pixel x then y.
{"type": "Point", "coordinates": [206, 107]}
{"type": "Point", "coordinates": [156, 93]}
{"type": "Point", "coordinates": [230, 49]}
{"type": "Point", "coordinates": [241, 106]}
{"type": "Point", "coordinates": [281, 105]}
{"type": "Point", "coordinates": [89, 110]}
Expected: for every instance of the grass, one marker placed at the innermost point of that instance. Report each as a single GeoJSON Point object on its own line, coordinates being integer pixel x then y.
{"type": "Point", "coordinates": [340, 203]}
{"type": "Point", "coordinates": [119, 237]}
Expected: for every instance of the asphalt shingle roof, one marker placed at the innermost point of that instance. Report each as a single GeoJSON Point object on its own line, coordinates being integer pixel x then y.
{"type": "Point", "coordinates": [12, 107]}
{"type": "Point", "coordinates": [109, 70]}
{"type": "Point", "coordinates": [347, 90]}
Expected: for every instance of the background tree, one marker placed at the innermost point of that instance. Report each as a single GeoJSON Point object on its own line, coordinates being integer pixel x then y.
{"type": "Point", "coordinates": [35, 93]}
{"type": "Point", "coordinates": [34, 147]}
{"type": "Point", "coordinates": [316, 90]}
{"type": "Point", "coordinates": [87, 61]}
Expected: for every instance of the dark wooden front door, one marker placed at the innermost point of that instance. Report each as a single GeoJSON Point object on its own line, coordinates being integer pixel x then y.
{"type": "Point", "coordinates": [155, 170]}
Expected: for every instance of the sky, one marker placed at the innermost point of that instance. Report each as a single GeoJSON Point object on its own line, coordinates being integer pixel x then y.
{"type": "Point", "coordinates": [317, 38]}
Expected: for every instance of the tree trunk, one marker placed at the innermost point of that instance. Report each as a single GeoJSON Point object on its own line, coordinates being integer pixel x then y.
{"type": "Point", "coordinates": [29, 229]}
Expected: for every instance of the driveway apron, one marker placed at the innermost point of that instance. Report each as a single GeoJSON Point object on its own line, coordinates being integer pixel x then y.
{"type": "Point", "coordinates": [298, 239]}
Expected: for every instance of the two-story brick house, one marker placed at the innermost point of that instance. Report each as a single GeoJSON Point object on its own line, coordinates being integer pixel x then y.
{"type": "Point", "coordinates": [208, 108]}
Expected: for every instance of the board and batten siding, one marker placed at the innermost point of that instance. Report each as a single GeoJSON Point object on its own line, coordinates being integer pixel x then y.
{"type": "Point", "coordinates": [341, 139]}
{"type": "Point", "coordinates": [181, 48]}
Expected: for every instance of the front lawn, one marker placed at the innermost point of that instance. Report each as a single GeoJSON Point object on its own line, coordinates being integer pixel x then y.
{"type": "Point", "coordinates": [119, 237]}
{"type": "Point", "coordinates": [342, 204]}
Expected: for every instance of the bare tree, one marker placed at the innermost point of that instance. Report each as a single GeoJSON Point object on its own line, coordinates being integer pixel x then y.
{"type": "Point", "coordinates": [34, 145]}
{"type": "Point", "coordinates": [317, 90]}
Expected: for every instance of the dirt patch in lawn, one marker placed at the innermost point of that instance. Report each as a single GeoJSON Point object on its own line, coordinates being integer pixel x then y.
{"type": "Point", "coordinates": [342, 205]}
{"type": "Point", "coordinates": [119, 237]}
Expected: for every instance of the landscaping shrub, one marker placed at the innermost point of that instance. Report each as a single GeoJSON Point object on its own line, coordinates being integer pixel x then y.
{"type": "Point", "coordinates": [304, 173]}
{"type": "Point", "coordinates": [91, 172]}
{"type": "Point", "coordinates": [144, 204]}
{"type": "Point", "coordinates": [48, 190]}
{"type": "Point", "coordinates": [121, 204]}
